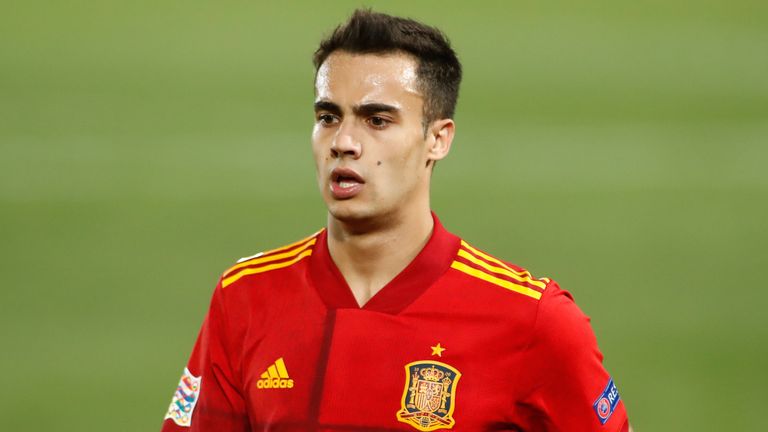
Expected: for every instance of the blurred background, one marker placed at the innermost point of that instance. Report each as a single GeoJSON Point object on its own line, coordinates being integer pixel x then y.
{"type": "Point", "coordinates": [617, 147]}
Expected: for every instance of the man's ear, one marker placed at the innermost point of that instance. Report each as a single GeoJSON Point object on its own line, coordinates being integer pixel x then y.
{"type": "Point", "coordinates": [440, 137]}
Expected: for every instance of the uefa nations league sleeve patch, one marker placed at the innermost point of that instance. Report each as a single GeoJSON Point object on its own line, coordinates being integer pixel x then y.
{"type": "Point", "coordinates": [184, 399]}
{"type": "Point", "coordinates": [606, 402]}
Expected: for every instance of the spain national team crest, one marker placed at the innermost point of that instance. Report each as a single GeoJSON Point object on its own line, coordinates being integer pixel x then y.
{"type": "Point", "coordinates": [184, 399]}
{"type": "Point", "coordinates": [429, 397]}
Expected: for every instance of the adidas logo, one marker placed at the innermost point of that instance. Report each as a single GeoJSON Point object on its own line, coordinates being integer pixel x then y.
{"type": "Point", "coordinates": [276, 376]}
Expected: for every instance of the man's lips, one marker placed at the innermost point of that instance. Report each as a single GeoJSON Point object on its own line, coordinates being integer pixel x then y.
{"type": "Point", "coordinates": [345, 183]}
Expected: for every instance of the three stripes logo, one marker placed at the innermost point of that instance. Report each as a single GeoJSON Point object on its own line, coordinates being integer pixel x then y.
{"type": "Point", "coordinates": [275, 377]}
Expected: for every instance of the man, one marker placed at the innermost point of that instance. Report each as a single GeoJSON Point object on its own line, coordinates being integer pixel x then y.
{"type": "Point", "coordinates": [384, 320]}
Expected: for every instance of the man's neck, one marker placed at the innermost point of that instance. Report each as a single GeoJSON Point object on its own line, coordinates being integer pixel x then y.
{"type": "Point", "coordinates": [370, 259]}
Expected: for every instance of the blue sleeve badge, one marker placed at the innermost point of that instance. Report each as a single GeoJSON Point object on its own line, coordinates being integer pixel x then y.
{"type": "Point", "coordinates": [606, 402]}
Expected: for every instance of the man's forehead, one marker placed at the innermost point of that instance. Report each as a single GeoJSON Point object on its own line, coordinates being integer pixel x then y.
{"type": "Point", "coordinates": [372, 74]}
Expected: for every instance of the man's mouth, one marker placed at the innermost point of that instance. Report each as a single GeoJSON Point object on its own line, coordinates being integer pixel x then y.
{"type": "Point", "coordinates": [345, 183]}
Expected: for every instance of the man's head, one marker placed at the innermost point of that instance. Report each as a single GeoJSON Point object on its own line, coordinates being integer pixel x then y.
{"type": "Point", "coordinates": [382, 118]}
{"type": "Point", "coordinates": [438, 71]}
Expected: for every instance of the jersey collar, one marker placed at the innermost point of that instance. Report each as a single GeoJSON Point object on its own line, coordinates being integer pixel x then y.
{"type": "Point", "coordinates": [429, 265]}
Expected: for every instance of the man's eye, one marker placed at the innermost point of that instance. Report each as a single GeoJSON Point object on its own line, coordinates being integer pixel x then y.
{"type": "Point", "coordinates": [326, 119]}
{"type": "Point", "coordinates": [378, 122]}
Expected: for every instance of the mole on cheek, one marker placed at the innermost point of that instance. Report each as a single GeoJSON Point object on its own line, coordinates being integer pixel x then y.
{"type": "Point", "coordinates": [378, 163]}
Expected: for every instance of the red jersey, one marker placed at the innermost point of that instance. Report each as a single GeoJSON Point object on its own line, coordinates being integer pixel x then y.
{"type": "Point", "coordinates": [459, 340]}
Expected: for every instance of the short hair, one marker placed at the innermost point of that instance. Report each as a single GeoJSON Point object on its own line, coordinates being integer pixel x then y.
{"type": "Point", "coordinates": [438, 68]}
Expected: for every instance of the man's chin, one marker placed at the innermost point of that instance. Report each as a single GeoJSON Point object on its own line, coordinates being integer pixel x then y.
{"type": "Point", "coordinates": [356, 218]}
{"type": "Point", "coordinates": [348, 214]}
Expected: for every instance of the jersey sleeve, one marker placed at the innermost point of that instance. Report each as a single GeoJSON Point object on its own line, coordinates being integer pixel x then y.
{"type": "Point", "coordinates": [209, 395]}
{"type": "Point", "coordinates": [567, 387]}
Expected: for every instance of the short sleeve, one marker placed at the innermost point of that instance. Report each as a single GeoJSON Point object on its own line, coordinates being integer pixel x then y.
{"type": "Point", "coordinates": [208, 396]}
{"type": "Point", "coordinates": [567, 388]}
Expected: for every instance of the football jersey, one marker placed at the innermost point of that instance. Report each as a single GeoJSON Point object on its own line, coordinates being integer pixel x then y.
{"type": "Point", "coordinates": [459, 340]}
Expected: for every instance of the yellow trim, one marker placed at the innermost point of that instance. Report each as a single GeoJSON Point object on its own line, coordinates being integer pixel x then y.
{"type": "Point", "coordinates": [268, 258]}
{"type": "Point", "coordinates": [281, 248]}
{"type": "Point", "coordinates": [249, 271]}
{"type": "Point", "coordinates": [523, 273]}
{"type": "Point", "coordinates": [499, 270]}
{"type": "Point", "coordinates": [494, 260]}
{"type": "Point", "coordinates": [496, 281]}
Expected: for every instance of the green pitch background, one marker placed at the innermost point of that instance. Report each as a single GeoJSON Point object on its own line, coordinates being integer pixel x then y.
{"type": "Point", "coordinates": [617, 147]}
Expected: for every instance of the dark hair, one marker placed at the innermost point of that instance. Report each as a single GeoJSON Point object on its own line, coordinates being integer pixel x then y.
{"type": "Point", "coordinates": [439, 70]}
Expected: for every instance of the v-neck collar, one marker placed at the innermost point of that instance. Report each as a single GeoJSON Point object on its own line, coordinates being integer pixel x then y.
{"type": "Point", "coordinates": [431, 263]}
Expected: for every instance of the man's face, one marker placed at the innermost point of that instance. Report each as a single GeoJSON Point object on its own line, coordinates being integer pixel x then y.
{"type": "Point", "coordinates": [370, 149]}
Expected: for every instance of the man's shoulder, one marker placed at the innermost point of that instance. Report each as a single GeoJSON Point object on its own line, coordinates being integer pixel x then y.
{"type": "Point", "coordinates": [514, 294]}
{"type": "Point", "coordinates": [283, 257]}
{"type": "Point", "coordinates": [494, 272]}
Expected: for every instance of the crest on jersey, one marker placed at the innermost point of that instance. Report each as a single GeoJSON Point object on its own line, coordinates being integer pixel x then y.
{"type": "Point", "coordinates": [429, 397]}
{"type": "Point", "coordinates": [184, 399]}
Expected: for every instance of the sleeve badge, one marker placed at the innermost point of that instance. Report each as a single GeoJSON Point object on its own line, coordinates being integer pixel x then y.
{"type": "Point", "coordinates": [429, 397]}
{"type": "Point", "coordinates": [606, 402]}
{"type": "Point", "coordinates": [184, 399]}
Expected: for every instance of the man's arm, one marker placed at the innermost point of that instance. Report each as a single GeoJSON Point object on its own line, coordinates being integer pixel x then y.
{"type": "Point", "coordinates": [208, 396]}
{"type": "Point", "coordinates": [569, 389]}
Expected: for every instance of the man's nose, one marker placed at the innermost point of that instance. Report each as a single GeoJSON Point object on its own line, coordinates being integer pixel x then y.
{"type": "Point", "coordinates": [345, 142]}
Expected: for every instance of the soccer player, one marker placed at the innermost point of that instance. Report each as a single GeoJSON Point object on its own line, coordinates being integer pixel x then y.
{"type": "Point", "coordinates": [384, 320]}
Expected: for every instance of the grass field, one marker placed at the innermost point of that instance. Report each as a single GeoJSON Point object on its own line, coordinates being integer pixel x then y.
{"type": "Point", "coordinates": [619, 148]}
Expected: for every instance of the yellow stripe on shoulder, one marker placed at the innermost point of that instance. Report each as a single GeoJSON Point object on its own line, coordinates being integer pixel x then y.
{"type": "Point", "coordinates": [256, 263]}
{"type": "Point", "coordinates": [499, 267]}
{"type": "Point", "coordinates": [244, 261]}
{"type": "Point", "coordinates": [255, 270]}
{"type": "Point", "coordinates": [274, 254]}
{"type": "Point", "coordinates": [530, 292]}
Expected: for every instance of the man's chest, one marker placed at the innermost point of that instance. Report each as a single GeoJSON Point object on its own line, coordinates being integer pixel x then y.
{"type": "Point", "coordinates": [348, 369]}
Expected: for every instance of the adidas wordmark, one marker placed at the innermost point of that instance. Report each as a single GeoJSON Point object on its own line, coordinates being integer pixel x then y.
{"type": "Point", "coordinates": [275, 377]}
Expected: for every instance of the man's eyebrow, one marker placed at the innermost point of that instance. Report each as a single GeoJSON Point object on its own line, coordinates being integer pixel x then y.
{"type": "Point", "coordinates": [373, 108]}
{"type": "Point", "coordinates": [327, 106]}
